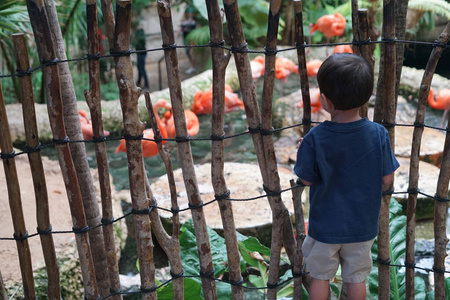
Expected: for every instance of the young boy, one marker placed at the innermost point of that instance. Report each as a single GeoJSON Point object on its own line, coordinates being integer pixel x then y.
{"type": "Point", "coordinates": [345, 162]}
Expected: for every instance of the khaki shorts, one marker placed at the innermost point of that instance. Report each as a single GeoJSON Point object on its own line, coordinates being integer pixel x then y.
{"type": "Point", "coordinates": [322, 260]}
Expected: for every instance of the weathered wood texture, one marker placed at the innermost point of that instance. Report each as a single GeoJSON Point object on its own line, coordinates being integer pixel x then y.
{"type": "Point", "coordinates": [37, 168]}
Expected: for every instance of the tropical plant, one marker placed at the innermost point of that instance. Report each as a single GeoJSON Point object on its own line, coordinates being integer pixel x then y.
{"type": "Point", "coordinates": [397, 249]}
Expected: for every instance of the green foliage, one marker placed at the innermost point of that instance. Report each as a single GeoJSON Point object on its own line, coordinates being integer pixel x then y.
{"type": "Point", "coordinates": [397, 249]}
{"type": "Point", "coordinates": [439, 7]}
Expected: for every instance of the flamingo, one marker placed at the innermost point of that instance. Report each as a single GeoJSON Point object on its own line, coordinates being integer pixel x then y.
{"type": "Point", "coordinates": [315, 101]}
{"type": "Point", "coordinates": [284, 67]}
{"type": "Point", "coordinates": [257, 66]}
{"type": "Point", "coordinates": [203, 101]}
{"type": "Point", "coordinates": [442, 102]}
{"type": "Point", "coordinates": [86, 126]}
{"type": "Point", "coordinates": [330, 25]}
{"type": "Point", "coordinates": [192, 122]}
{"type": "Point", "coordinates": [149, 148]}
{"type": "Point", "coordinates": [312, 67]}
{"type": "Point", "coordinates": [343, 49]}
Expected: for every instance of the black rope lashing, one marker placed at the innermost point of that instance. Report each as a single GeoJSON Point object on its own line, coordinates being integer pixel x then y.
{"type": "Point", "coordinates": [21, 237]}
{"type": "Point", "coordinates": [383, 262]}
{"type": "Point", "coordinates": [50, 62]}
{"type": "Point", "coordinates": [93, 56]}
{"type": "Point", "coordinates": [99, 139]}
{"type": "Point", "coordinates": [196, 206]}
{"type": "Point", "coordinates": [129, 137]}
{"type": "Point", "coordinates": [215, 45]}
{"type": "Point", "coordinates": [118, 292]}
{"type": "Point", "coordinates": [439, 271]}
{"type": "Point", "coordinates": [270, 52]}
{"type": "Point", "coordinates": [300, 183]}
{"type": "Point", "coordinates": [361, 42]}
{"type": "Point", "coordinates": [390, 192]}
{"type": "Point", "coordinates": [419, 125]}
{"type": "Point", "coordinates": [115, 53]}
{"type": "Point", "coordinates": [236, 283]}
{"type": "Point", "coordinates": [271, 285]}
{"type": "Point", "coordinates": [217, 137]}
{"type": "Point", "coordinates": [208, 275]}
{"type": "Point", "coordinates": [183, 139]}
{"type": "Point", "coordinates": [23, 73]}
{"type": "Point", "coordinates": [176, 276]}
{"type": "Point", "coordinates": [270, 192]}
{"type": "Point", "coordinates": [388, 125]}
{"type": "Point", "coordinates": [29, 149]}
{"type": "Point", "coordinates": [410, 266]}
{"type": "Point", "coordinates": [438, 43]}
{"type": "Point", "coordinates": [8, 155]}
{"type": "Point", "coordinates": [144, 211]}
{"type": "Point", "coordinates": [60, 142]}
{"type": "Point", "coordinates": [300, 46]}
{"type": "Point", "coordinates": [225, 195]}
{"type": "Point", "coordinates": [80, 230]}
{"type": "Point", "coordinates": [150, 290]}
{"type": "Point", "coordinates": [43, 232]}
{"type": "Point", "coordinates": [306, 121]}
{"type": "Point", "coordinates": [243, 48]}
{"type": "Point", "coordinates": [388, 40]}
{"type": "Point", "coordinates": [440, 199]}
{"type": "Point", "coordinates": [413, 191]}
{"type": "Point", "coordinates": [254, 130]}
{"type": "Point", "coordinates": [175, 210]}
{"type": "Point", "coordinates": [107, 222]}
{"type": "Point", "coordinates": [266, 131]}
{"type": "Point", "coordinates": [169, 46]}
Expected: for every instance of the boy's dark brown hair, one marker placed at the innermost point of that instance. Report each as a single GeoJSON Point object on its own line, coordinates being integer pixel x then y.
{"type": "Point", "coordinates": [346, 79]}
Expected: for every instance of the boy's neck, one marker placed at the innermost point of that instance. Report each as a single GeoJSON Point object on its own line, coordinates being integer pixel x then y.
{"type": "Point", "coordinates": [345, 116]}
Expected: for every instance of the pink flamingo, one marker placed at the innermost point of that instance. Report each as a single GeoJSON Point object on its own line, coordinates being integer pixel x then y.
{"type": "Point", "coordinates": [86, 126]}
{"type": "Point", "coordinates": [442, 102]}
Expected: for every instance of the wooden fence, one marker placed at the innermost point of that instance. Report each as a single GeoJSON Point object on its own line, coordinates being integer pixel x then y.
{"type": "Point", "coordinates": [95, 244]}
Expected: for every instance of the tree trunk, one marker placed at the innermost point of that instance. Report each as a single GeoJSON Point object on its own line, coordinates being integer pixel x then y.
{"type": "Point", "coordinates": [73, 129]}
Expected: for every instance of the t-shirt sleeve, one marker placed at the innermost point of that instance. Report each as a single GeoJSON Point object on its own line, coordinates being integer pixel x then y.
{"type": "Point", "coordinates": [306, 166]}
{"type": "Point", "coordinates": [390, 163]}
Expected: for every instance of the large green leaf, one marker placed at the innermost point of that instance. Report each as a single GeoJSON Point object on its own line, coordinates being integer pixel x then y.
{"type": "Point", "coordinates": [192, 290]}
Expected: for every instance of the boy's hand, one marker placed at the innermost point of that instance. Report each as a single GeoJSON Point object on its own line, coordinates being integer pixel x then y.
{"type": "Point", "coordinates": [299, 142]}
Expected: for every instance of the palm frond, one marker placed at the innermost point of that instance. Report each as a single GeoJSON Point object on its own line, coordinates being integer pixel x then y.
{"type": "Point", "coordinates": [440, 7]}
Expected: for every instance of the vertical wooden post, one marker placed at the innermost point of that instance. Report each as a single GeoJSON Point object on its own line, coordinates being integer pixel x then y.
{"type": "Point", "coordinates": [15, 203]}
{"type": "Point", "coordinates": [185, 153]}
{"type": "Point", "coordinates": [388, 96]}
{"type": "Point", "coordinates": [170, 245]}
{"type": "Point", "coordinates": [440, 208]}
{"type": "Point", "coordinates": [363, 50]}
{"type": "Point", "coordinates": [129, 95]}
{"type": "Point", "coordinates": [304, 82]}
{"type": "Point", "coordinates": [47, 52]}
{"type": "Point", "coordinates": [414, 164]}
{"type": "Point", "coordinates": [94, 103]}
{"type": "Point", "coordinates": [355, 26]}
{"type": "Point", "coordinates": [220, 62]}
{"type": "Point", "coordinates": [3, 295]}
{"type": "Point", "coordinates": [37, 169]}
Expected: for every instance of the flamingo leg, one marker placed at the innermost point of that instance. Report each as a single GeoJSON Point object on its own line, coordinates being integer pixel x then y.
{"type": "Point", "coordinates": [441, 125]}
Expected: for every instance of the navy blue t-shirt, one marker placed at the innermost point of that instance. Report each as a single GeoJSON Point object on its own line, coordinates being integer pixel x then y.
{"type": "Point", "coordinates": [346, 163]}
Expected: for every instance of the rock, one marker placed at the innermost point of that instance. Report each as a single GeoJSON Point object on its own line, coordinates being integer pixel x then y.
{"type": "Point", "coordinates": [244, 181]}
{"type": "Point", "coordinates": [60, 217]}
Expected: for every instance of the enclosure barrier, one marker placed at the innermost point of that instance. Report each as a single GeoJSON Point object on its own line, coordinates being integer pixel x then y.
{"type": "Point", "coordinates": [99, 267]}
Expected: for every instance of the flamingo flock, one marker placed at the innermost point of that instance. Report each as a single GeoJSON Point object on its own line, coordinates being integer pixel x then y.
{"type": "Point", "coordinates": [203, 101]}
{"type": "Point", "coordinates": [86, 126]}
{"type": "Point", "coordinates": [441, 102]}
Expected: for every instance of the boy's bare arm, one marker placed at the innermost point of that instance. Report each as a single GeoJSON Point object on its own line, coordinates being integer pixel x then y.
{"type": "Point", "coordinates": [388, 179]}
{"type": "Point", "coordinates": [306, 182]}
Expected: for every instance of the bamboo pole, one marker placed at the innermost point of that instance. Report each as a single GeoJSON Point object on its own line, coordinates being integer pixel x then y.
{"type": "Point", "coordinates": [364, 50]}
{"type": "Point", "coordinates": [220, 62]}
{"type": "Point", "coordinates": [185, 154]}
{"type": "Point", "coordinates": [129, 94]}
{"type": "Point", "coordinates": [78, 150]}
{"type": "Point", "coordinates": [263, 144]}
{"type": "Point", "coordinates": [37, 169]}
{"type": "Point", "coordinates": [170, 244]}
{"type": "Point", "coordinates": [388, 96]}
{"type": "Point", "coordinates": [15, 203]}
{"type": "Point", "coordinates": [93, 100]}
{"type": "Point", "coordinates": [47, 52]}
{"type": "Point", "coordinates": [355, 26]}
{"type": "Point", "coordinates": [297, 192]}
{"type": "Point", "coordinates": [414, 163]}
{"type": "Point", "coordinates": [440, 208]}
{"type": "Point", "coordinates": [3, 295]}
{"type": "Point", "coordinates": [304, 82]}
